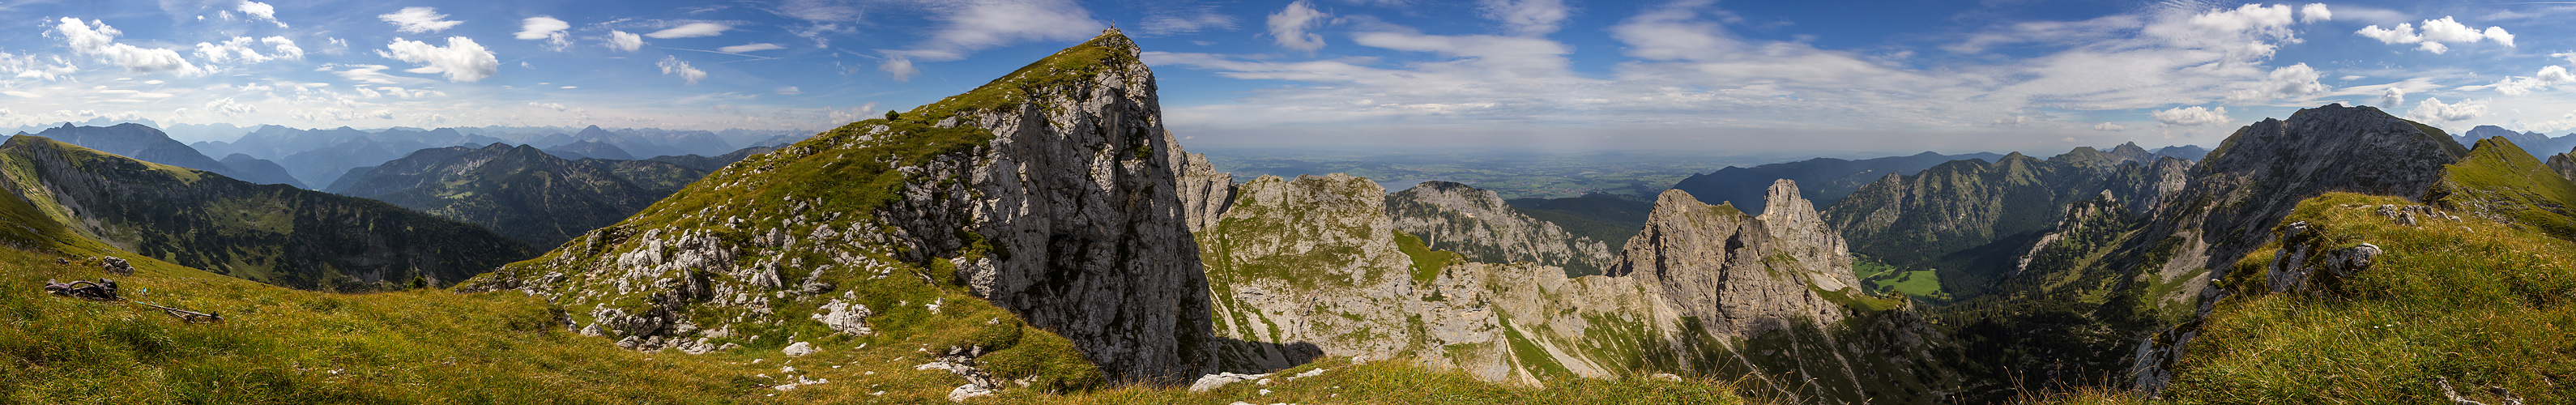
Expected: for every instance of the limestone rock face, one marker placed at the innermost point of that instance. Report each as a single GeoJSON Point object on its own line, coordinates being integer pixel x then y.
{"type": "Point", "coordinates": [1728, 268]}
{"type": "Point", "coordinates": [1099, 246]}
{"type": "Point", "coordinates": [1310, 261]}
{"type": "Point", "coordinates": [1477, 223]}
{"type": "Point", "coordinates": [1205, 192]}
{"type": "Point", "coordinates": [1325, 266]}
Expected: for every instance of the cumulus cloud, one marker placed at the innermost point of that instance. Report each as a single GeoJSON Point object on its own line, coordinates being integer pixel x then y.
{"type": "Point", "coordinates": [241, 49]}
{"type": "Point", "coordinates": [546, 28]}
{"type": "Point", "coordinates": [691, 30]}
{"type": "Point", "coordinates": [673, 65]}
{"type": "Point", "coordinates": [258, 11]}
{"type": "Point", "coordinates": [1291, 26]}
{"type": "Point", "coordinates": [96, 38]}
{"type": "Point", "coordinates": [625, 42]}
{"type": "Point", "coordinates": [2191, 116]}
{"type": "Point", "coordinates": [1527, 17]}
{"type": "Point", "coordinates": [419, 20]}
{"type": "Point", "coordinates": [2109, 127]}
{"type": "Point", "coordinates": [549, 106]}
{"type": "Point", "coordinates": [750, 47]}
{"type": "Point", "coordinates": [2550, 76]}
{"type": "Point", "coordinates": [2432, 109]}
{"type": "Point", "coordinates": [283, 48]}
{"type": "Point", "coordinates": [2314, 12]}
{"type": "Point", "coordinates": [2392, 97]}
{"type": "Point", "coordinates": [2435, 35]}
{"type": "Point", "coordinates": [461, 60]}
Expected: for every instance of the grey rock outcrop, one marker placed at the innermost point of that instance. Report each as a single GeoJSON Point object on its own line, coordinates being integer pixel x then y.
{"type": "Point", "coordinates": [1478, 224]}
{"type": "Point", "coordinates": [1205, 192]}
{"type": "Point", "coordinates": [1728, 268]}
{"type": "Point", "coordinates": [1316, 267]}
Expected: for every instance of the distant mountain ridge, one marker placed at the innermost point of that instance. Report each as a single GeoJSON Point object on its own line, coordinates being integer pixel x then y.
{"type": "Point", "coordinates": [518, 191]}
{"type": "Point", "coordinates": [267, 233]}
{"type": "Point", "coordinates": [151, 145]}
{"type": "Point", "coordinates": [1826, 179]}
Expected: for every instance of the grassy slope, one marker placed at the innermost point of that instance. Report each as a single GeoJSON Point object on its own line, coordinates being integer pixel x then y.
{"type": "Point", "coordinates": [267, 233]}
{"type": "Point", "coordinates": [2477, 302]}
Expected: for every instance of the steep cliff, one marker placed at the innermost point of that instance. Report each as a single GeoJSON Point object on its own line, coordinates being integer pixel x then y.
{"type": "Point", "coordinates": [1477, 223]}
{"type": "Point", "coordinates": [1317, 267]}
{"type": "Point", "coordinates": [1040, 195]}
{"type": "Point", "coordinates": [268, 233]}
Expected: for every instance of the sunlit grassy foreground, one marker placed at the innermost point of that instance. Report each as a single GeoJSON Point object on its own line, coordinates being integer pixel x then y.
{"type": "Point", "coordinates": [2476, 303]}
{"type": "Point", "coordinates": [287, 346]}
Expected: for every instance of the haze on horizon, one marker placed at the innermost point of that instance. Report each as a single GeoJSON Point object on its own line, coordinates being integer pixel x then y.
{"type": "Point", "coordinates": [1826, 77]}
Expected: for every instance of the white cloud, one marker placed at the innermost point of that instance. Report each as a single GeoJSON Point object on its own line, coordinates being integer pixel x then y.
{"type": "Point", "coordinates": [461, 60]}
{"type": "Point", "coordinates": [622, 41]}
{"type": "Point", "coordinates": [2549, 76]}
{"type": "Point", "coordinates": [2392, 97]}
{"type": "Point", "coordinates": [549, 106]}
{"type": "Point", "coordinates": [898, 67]}
{"type": "Point", "coordinates": [691, 30]}
{"type": "Point", "coordinates": [259, 11]}
{"type": "Point", "coordinates": [283, 48]}
{"type": "Point", "coordinates": [22, 94]}
{"type": "Point", "coordinates": [2191, 116]}
{"type": "Point", "coordinates": [1291, 26]}
{"type": "Point", "coordinates": [239, 49]}
{"type": "Point", "coordinates": [546, 28]}
{"type": "Point", "coordinates": [2314, 12]}
{"type": "Point", "coordinates": [2109, 127]}
{"type": "Point", "coordinates": [419, 20]}
{"type": "Point", "coordinates": [789, 90]}
{"type": "Point", "coordinates": [750, 47]}
{"type": "Point", "coordinates": [673, 65]}
{"type": "Point", "coordinates": [2432, 109]}
{"type": "Point", "coordinates": [98, 39]}
{"type": "Point", "coordinates": [2435, 34]}
{"type": "Point", "coordinates": [335, 46]}
{"type": "Point", "coordinates": [1527, 17]}
{"type": "Point", "coordinates": [2292, 81]}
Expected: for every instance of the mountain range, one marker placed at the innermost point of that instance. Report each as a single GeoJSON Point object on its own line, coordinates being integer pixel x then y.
{"type": "Point", "coordinates": [1044, 238]}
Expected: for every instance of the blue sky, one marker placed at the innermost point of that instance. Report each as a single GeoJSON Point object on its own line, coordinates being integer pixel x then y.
{"type": "Point", "coordinates": [1825, 76]}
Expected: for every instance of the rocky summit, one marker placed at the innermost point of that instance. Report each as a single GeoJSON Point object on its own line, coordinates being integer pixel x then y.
{"type": "Point", "coordinates": [1047, 193]}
